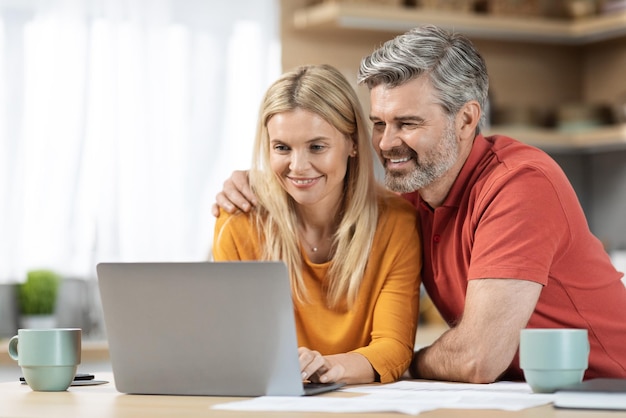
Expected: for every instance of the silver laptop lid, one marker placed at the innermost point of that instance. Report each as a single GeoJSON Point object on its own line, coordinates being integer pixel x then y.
{"type": "Point", "coordinates": [206, 328]}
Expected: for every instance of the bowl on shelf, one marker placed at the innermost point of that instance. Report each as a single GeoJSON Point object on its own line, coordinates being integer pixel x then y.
{"type": "Point", "coordinates": [576, 117]}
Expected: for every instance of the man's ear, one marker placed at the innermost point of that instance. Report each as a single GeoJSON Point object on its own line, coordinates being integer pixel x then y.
{"type": "Point", "coordinates": [467, 119]}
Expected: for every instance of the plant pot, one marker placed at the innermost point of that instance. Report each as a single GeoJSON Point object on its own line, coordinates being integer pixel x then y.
{"type": "Point", "coordinates": [38, 321]}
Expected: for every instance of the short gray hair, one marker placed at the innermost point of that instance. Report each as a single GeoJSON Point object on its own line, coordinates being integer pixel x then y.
{"type": "Point", "coordinates": [456, 69]}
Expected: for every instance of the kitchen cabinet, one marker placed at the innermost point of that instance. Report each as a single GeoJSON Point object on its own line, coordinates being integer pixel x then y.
{"type": "Point", "coordinates": [537, 63]}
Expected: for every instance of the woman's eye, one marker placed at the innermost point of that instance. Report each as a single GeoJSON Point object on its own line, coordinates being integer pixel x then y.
{"type": "Point", "coordinates": [317, 147]}
{"type": "Point", "coordinates": [281, 148]}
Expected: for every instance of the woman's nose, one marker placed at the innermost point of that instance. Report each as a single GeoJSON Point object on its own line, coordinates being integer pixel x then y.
{"type": "Point", "coordinates": [299, 161]}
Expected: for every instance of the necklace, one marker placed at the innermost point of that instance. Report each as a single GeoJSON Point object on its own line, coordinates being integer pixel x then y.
{"type": "Point", "coordinates": [323, 243]}
{"type": "Point", "coordinates": [321, 249]}
{"type": "Point", "coordinates": [312, 247]}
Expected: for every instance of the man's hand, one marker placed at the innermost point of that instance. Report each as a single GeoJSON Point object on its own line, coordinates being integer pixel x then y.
{"type": "Point", "coordinates": [236, 194]}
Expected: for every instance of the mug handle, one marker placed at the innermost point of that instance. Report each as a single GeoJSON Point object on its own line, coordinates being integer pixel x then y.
{"type": "Point", "coordinates": [13, 347]}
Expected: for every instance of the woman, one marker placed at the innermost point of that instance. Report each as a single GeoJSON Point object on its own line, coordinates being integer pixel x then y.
{"type": "Point", "coordinates": [351, 247]}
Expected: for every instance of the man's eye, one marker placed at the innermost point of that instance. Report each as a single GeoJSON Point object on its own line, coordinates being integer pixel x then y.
{"type": "Point", "coordinates": [412, 125]}
{"type": "Point", "coordinates": [379, 126]}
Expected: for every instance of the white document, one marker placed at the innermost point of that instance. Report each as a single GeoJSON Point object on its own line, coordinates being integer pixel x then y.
{"type": "Point", "coordinates": [408, 397]}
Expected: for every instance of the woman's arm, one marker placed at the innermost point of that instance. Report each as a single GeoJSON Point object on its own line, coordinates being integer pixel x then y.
{"type": "Point", "coordinates": [349, 368]}
{"type": "Point", "coordinates": [393, 274]}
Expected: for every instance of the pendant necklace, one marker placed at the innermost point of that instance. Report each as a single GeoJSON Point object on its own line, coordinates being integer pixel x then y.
{"type": "Point", "coordinates": [312, 247]}
{"type": "Point", "coordinates": [323, 243]}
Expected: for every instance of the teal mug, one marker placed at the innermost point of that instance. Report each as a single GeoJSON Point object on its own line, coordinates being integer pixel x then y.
{"type": "Point", "coordinates": [49, 358]}
{"type": "Point", "coordinates": [552, 358]}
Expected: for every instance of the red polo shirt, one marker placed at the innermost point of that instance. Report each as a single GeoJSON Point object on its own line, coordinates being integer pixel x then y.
{"type": "Point", "coordinates": [512, 213]}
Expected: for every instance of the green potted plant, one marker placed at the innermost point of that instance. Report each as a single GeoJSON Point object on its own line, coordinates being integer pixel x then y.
{"type": "Point", "coordinates": [37, 298]}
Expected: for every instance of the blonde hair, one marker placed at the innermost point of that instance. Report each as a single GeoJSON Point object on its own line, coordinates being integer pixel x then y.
{"type": "Point", "coordinates": [323, 90]}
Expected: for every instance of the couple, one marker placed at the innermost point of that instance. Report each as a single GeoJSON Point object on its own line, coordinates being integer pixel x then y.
{"type": "Point", "coordinates": [504, 242]}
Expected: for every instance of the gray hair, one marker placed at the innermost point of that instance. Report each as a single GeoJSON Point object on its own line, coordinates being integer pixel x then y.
{"type": "Point", "coordinates": [456, 69]}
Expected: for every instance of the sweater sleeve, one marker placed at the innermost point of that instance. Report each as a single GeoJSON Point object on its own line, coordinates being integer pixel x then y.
{"type": "Point", "coordinates": [234, 238]}
{"type": "Point", "coordinates": [395, 265]}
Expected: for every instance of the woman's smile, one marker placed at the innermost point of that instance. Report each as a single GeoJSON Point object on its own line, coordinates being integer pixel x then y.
{"type": "Point", "coordinates": [304, 182]}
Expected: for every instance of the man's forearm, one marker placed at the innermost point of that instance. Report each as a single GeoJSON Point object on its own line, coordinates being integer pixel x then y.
{"type": "Point", "coordinates": [482, 345]}
{"type": "Point", "coordinates": [452, 359]}
{"type": "Point", "coordinates": [439, 362]}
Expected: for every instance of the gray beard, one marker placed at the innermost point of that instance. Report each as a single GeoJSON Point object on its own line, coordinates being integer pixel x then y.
{"type": "Point", "coordinates": [410, 182]}
{"type": "Point", "coordinates": [424, 174]}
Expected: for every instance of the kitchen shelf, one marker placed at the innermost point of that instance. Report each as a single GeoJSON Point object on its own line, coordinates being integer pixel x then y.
{"type": "Point", "coordinates": [335, 16]}
{"type": "Point", "coordinates": [339, 18]}
{"type": "Point", "coordinates": [606, 138]}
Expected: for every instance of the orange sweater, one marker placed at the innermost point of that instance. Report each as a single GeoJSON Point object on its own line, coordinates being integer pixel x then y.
{"type": "Point", "coordinates": [382, 324]}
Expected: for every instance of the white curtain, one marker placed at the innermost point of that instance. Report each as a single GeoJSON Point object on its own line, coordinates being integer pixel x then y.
{"type": "Point", "coordinates": [119, 121]}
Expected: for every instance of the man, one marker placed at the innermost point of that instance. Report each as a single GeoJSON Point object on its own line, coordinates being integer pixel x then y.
{"type": "Point", "coordinates": [506, 243]}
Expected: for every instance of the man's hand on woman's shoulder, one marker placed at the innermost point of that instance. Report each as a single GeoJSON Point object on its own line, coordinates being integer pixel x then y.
{"type": "Point", "coordinates": [236, 194]}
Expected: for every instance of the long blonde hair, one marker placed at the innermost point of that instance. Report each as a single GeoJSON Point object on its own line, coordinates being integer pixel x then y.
{"type": "Point", "coordinates": [323, 90]}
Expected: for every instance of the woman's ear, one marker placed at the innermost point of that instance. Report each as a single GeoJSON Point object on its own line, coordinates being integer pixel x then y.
{"type": "Point", "coordinates": [354, 142]}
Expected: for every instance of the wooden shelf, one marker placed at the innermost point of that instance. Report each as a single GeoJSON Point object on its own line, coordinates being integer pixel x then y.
{"type": "Point", "coordinates": [592, 140]}
{"type": "Point", "coordinates": [336, 16]}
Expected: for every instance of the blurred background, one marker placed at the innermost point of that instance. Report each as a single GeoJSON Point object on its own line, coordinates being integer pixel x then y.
{"type": "Point", "coordinates": [120, 119]}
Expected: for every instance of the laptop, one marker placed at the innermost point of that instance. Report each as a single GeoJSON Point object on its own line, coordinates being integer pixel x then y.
{"type": "Point", "coordinates": [202, 328]}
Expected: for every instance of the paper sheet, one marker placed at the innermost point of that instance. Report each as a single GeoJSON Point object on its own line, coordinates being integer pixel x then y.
{"type": "Point", "coordinates": [408, 397]}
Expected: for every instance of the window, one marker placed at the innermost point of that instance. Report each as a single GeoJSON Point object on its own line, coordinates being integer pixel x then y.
{"type": "Point", "coordinates": [119, 122]}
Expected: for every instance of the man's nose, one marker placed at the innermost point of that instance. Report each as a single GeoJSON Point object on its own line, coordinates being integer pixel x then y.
{"type": "Point", "coordinates": [389, 139]}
